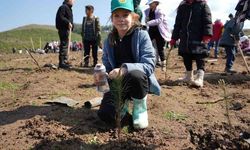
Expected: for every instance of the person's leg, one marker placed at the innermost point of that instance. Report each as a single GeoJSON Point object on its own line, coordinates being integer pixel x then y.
{"type": "Point", "coordinates": [94, 52]}
{"type": "Point", "coordinates": [107, 110]}
{"type": "Point", "coordinates": [160, 42]}
{"type": "Point", "coordinates": [86, 53]}
{"type": "Point", "coordinates": [200, 63]}
{"type": "Point", "coordinates": [210, 45]}
{"type": "Point", "coordinates": [153, 38]}
{"type": "Point", "coordinates": [136, 87]}
{"type": "Point", "coordinates": [200, 70]}
{"type": "Point", "coordinates": [63, 52]}
{"type": "Point", "coordinates": [216, 49]}
{"type": "Point", "coordinates": [187, 59]}
{"type": "Point", "coordinates": [188, 62]}
{"type": "Point", "coordinates": [156, 52]}
{"type": "Point", "coordinates": [230, 51]}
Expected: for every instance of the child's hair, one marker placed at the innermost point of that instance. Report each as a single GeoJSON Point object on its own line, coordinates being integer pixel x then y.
{"type": "Point", "coordinates": [89, 7]}
{"type": "Point", "coordinates": [114, 33]}
{"type": "Point", "coordinates": [157, 3]}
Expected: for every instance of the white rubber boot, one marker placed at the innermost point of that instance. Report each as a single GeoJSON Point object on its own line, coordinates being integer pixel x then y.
{"type": "Point", "coordinates": [199, 79]}
{"type": "Point", "coordinates": [189, 77]}
{"type": "Point", "coordinates": [140, 114]}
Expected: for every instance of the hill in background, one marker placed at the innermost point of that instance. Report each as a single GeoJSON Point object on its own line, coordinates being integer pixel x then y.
{"type": "Point", "coordinates": [20, 38]}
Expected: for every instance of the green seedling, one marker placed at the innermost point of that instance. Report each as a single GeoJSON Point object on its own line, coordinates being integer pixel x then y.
{"type": "Point", "coordinates": [116, 90]}
{"type": "Point", "coordinates": [223, 86]}
{"type": "Point", "coordinates": [93, 141]}
{"type": "Point", "coordinates": [173, 116]}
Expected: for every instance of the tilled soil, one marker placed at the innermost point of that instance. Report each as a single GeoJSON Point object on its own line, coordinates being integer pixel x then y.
{"type": "Point", "coordinates": [183, 117]}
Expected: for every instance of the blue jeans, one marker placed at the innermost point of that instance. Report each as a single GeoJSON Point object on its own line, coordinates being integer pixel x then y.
{"type": "Point", "coordinates": [230, 51]}
{"type": "Point", "coordinates": [214, 44]}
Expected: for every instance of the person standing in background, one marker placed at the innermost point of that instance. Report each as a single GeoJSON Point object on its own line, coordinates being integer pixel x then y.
{"type": "Point", "coordinates": [158, 27]}
{"type": "Point", "coordinates": [91, 35]}
{"type": "Point", "coordinates": [230, 40]}
{"type": "Point", "coordinates": [64, 23]}
{"type": "Point", "coordinates": [193, 26]}
{"type": "Point", "coordinates": [217, 31]}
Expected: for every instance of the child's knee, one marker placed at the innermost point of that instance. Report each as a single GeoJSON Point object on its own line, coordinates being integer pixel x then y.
{"type": "Point", "coordinates": [136, 75]}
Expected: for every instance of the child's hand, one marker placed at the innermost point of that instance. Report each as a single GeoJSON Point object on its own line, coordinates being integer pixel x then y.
{"type": "Point", "coordinates": [172, 43]}
{"type": "Point", "coordinates": [115, 73]}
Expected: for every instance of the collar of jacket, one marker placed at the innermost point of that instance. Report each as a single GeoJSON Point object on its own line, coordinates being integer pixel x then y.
{"type": "Point", "coordinates": [116, 36]}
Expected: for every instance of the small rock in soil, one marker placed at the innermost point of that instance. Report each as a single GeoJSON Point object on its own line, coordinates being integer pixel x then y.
{"type": "Point", "coordinates": [237, 106]}
{"type": "Point", "coordinates": [42, 97]}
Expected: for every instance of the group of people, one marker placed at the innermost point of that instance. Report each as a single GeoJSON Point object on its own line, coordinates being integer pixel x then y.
{"type": "Point", "coordinates": [91, 34]}
{"type": "Point", "coordinates": [128, 50]}
{"type": "Point", "coordinates": [53, 47]}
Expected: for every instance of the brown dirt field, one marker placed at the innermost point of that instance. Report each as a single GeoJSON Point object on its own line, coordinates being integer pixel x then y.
{"type": "Point", "coordinates": [176, 120]}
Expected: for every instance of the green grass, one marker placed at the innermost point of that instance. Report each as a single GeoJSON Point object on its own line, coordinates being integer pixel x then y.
{"type": "Point", "coordinates": [3, 64]}
{"type": "Point", "coordinates": [8, 86]}
{"type": "Point", "coordinates": [173, 116]}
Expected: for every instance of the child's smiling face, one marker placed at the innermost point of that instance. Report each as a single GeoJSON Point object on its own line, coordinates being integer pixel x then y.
{"type": "Point", "coordinates": [122, 20]}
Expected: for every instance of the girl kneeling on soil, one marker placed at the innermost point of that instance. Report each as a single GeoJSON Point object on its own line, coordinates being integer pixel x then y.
{"type": "Point", "coordinates": [193, 26]}
{"type": "Point", "coordinates": [128, 51]}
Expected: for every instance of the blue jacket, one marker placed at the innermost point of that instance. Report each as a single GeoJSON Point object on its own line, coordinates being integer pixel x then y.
{"type": "Point", "coordinates": [231, 33]}
{"type": "Point", "coordinates": [144, 55]}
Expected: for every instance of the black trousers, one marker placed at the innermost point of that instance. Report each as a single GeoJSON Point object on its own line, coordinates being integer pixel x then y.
{"type": "Point", "coordinates": [188, 61]}
{"type": "Point", "coordinates": [135, 85]}
{"type": "Point", "coordinates": [87, 47]}
{"type": "Point", "coordinates": [160, 44]}
{"type": "Point", "coordinates": [64, 42]}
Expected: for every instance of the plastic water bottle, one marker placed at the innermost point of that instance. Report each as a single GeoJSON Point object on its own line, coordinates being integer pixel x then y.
{"type": "Point", "coordinates": [101, 75]}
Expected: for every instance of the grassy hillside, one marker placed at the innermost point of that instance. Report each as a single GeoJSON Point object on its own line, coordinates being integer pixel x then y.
{"type": "Point", "coordinates": [20, 37]}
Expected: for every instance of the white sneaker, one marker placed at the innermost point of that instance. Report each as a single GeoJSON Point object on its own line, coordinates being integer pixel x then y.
{"type": "Point", "coordinates": [198, 82]}
{"type": "Point", "coordinates": [189, 77]}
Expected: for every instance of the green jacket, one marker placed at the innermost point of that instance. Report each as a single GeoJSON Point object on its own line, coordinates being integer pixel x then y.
{"type": "Point", "coordinates": [97, 29]}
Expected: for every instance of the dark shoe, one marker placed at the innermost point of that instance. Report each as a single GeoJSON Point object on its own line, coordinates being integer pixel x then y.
{"type": "Point", "coordinates": [86, 65]}
{"type": "Point", "coordinates": [93, 66]}
{"type": "Point", "coordinates": [230, 70]}
{"type": "Point", "coordinates": [65, 66]}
